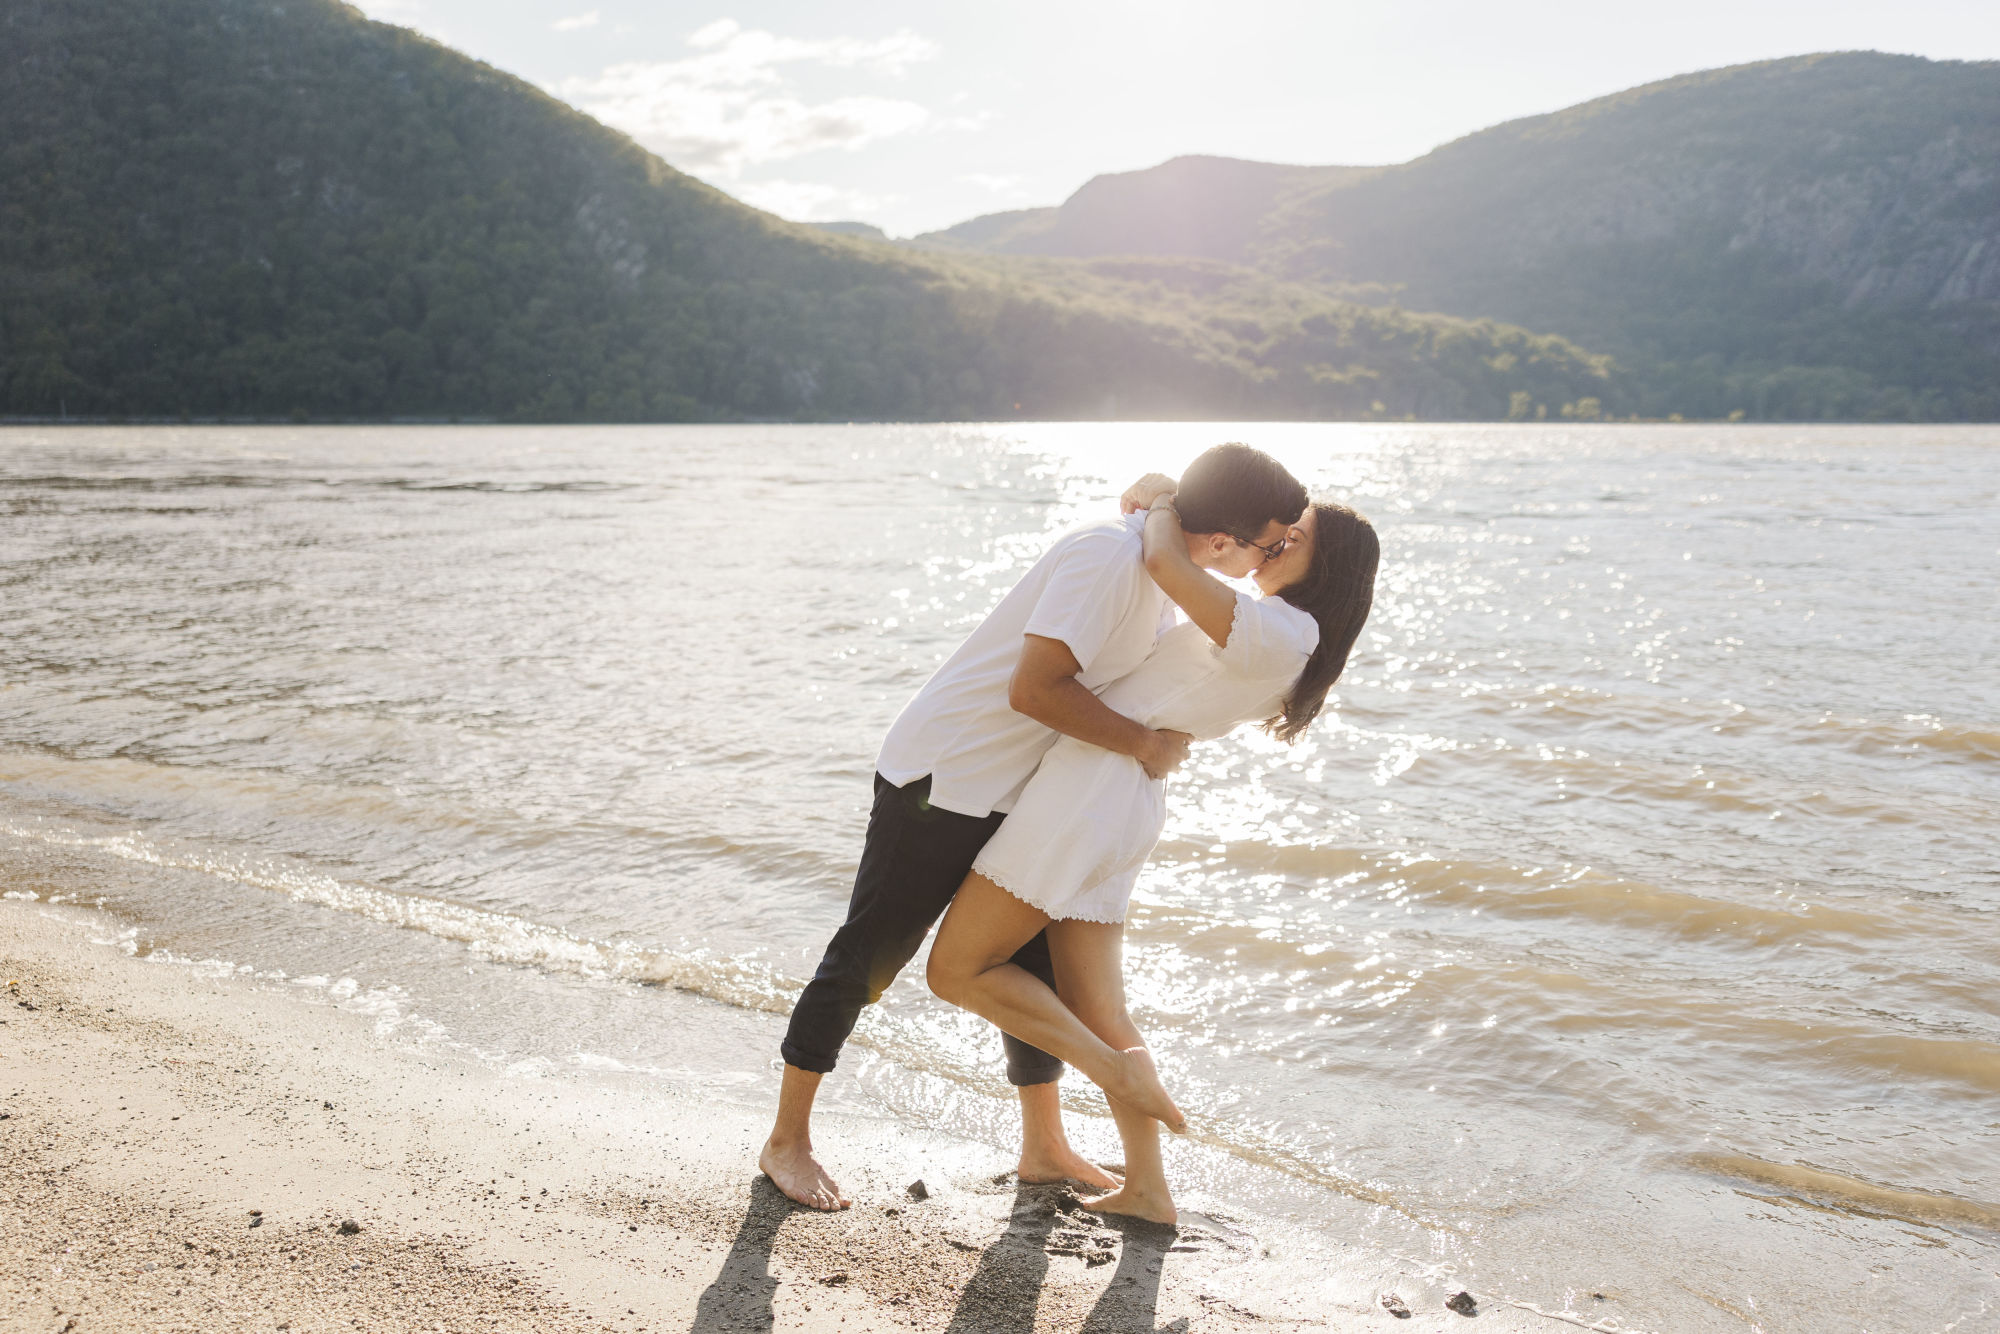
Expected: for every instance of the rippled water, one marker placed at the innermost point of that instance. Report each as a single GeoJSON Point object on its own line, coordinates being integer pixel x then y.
{"type": "Point", "coordinates": [1632, 926]}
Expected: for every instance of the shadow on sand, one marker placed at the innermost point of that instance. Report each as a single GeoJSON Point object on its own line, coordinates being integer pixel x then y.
{"type": "Point", "coordinates": [740, 1296]}
{"type": "Point", "coordinates": [1131, 1301]}
{"type": "Point", "coordinates": [1007, 1286]}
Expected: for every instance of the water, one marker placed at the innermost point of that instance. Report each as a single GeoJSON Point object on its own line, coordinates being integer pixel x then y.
{"type": "Point", "coordinates": [1629, 929]}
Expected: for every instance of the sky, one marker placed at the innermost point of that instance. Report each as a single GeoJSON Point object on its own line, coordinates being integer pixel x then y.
{"type": "Point", "coordinates": [914, 116]}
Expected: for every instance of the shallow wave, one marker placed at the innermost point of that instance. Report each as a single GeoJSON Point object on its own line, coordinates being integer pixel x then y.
{"type": "Point", "coordinates": [1851, 1194]}
{"type": "Point", "coordinates": [1586, 895]}
{"type": "Point", "coordinates": [501, 937]}
{"type": "Point", "coordinates": [1596, 710]}
{"type": "Point", "coordinates": [258, 798]}
{"type": "Point", "coordinates": [266, 481]}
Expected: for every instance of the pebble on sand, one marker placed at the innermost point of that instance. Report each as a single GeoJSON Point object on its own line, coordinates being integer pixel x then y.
{"type": "Point", "coordinates": [1395, 1306]}
{"type": "Point", "coordinates": [1462, 1303]}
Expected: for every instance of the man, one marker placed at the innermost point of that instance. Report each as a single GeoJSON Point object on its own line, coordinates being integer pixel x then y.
{"type": "Point", "coordinates": [961, 751]}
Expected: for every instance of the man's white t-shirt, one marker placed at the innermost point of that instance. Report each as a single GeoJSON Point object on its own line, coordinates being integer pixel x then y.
{"type": "Point", "coordinates": [1092, 592]}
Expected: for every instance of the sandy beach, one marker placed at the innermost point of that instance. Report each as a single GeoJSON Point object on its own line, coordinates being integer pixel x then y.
{"type": "Point", "coordinates": [185, 1150]}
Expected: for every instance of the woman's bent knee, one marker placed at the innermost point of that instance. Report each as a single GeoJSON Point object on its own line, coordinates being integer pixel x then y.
{"type": "Point", "coordinates": [946, 976]}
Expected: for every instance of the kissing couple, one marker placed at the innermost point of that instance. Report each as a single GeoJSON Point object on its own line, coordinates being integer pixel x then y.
{"type": "Point", "coordinates": [1021, 790]}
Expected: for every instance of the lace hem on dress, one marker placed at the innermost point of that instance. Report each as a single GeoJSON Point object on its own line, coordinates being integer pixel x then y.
{"type": "Point", "coordinates": [1043, 907]}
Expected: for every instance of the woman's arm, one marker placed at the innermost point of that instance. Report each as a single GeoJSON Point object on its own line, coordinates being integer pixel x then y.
{"type": "Point", "coordinates": [1208, 602]}
{"type": "Point", "coordinates": [1142, 493]}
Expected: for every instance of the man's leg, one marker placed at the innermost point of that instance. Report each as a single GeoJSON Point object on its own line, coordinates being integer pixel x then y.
{"type": "Point", "coordinates": [912, 863]}
{"type": "Point", "coordinates": [787, 1157]}
{"type": "Point", "coordinates": [1046, 1154]}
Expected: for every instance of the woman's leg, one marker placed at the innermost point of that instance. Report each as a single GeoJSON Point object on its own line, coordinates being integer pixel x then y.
{"type": "Point", "coordinates": [971, 967]}
{"type": "Point", "coordinates": [1090, 977]}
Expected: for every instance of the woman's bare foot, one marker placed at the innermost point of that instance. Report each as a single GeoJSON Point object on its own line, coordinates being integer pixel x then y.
{"type": "Point", "coordinates": [793, 1170]}
{"type": "Point", "coordinates": [1045, 1167]}
{"type": "Point", "coordinates": [1131, 1202]}
{"type": "Point", "coordinates": [1138, 1086]}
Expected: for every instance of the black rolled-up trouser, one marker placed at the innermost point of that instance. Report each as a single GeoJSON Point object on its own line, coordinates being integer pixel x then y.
{"type": "Point", "coordinates": [914, 860]}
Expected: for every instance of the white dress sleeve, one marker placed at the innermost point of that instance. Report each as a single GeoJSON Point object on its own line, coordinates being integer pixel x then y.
{"type": "Point", "coordinates": [1269, 639]}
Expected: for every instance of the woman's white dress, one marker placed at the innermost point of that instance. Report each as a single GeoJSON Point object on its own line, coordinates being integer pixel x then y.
{"type": "Point", "coordinates": [1083, 827]}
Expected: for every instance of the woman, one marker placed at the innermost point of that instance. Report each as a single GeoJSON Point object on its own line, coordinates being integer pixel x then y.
{"type": "Point", "coordinates": [1071, 849]}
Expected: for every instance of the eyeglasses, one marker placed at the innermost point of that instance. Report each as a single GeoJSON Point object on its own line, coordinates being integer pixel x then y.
{"type": "Point", "coordinates": [1272, 552]}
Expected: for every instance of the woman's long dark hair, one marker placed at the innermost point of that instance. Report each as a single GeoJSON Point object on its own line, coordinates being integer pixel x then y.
{"type": "Point", "coordinates": [1337, 592]}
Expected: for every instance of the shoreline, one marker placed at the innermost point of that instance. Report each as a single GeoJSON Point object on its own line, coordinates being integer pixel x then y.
{"type": "Point", "coordinates": [181, 1148]}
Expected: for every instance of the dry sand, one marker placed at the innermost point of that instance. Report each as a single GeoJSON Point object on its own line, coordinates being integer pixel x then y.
{"type": "Point", "coordinates": [181, 1150]}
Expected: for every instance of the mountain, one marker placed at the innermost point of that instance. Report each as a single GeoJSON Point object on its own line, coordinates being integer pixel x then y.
{"type": "Point", "coordinates": [279, 207]}
{"type": "Point", "coordinates": [1812, 237]}
{"type": "Point", "coordinates": [848, 228]}
{"type": "Point", "coordinates": [1207, 207]}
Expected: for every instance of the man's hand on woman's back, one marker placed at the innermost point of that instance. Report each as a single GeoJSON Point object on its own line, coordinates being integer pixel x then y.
{"type": "Point", "coordinates": [1167, 752]}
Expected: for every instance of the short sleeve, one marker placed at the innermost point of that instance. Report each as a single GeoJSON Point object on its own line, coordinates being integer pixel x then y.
{"type": "Point", "coordinates": [1269, 638]}
{"type": "Point", "coordinates": [1088, 592]}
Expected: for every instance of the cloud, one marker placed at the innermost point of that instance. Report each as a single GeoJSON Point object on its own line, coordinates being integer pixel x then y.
{"type": "Point", "coordinates": [810, 201]}
{"type": "Point", "coordinates": [588, 19]}
{"type": "Point", "coordinates": [729, 106]}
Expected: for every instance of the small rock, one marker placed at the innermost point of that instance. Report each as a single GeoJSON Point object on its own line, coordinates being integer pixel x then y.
{"type": "Point", "coordinates": [257, 1220]}
{"type": "Point", "coordinates": [1395, 1306]}
{"type": "Point", "coordinates": [631, 1227]}
{"type": "Point", "coordinates": [256, 1213]}
{"type": "Point", "coordinates": [327, 1105]}
{"type": "Point", "coordinates": [892, 1211]}
{"type": "Point", "coordinates": [835, 1280]}
{"type": "Point", "coordinates": [1462, 1303]}
{"type": "Point", "coordinates": [918, 1190]}
{"type": "Point", "coordinates": [348, 1227]}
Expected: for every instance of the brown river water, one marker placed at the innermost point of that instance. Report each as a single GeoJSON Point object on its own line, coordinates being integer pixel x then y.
{"type": "Point", "coordinates": [1630, 927]}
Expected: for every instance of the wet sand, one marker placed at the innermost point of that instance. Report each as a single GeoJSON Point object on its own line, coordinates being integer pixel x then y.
{"type": "Point", "coordinates": [182, 1150]}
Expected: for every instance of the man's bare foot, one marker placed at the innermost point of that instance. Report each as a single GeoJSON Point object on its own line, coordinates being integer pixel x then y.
{"type": "Point", "coordinates": [1139, 1088]}
{"type": "Point", "coordinates": [793, 1170]}
{"type": "Point", "coordinates": [1129, 1202]}
{"type": "Point", "coordinates": [1041, 1167]}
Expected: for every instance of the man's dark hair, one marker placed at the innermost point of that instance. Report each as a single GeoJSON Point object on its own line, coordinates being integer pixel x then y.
{"type": "Point", "coordinates": [1237, 490]}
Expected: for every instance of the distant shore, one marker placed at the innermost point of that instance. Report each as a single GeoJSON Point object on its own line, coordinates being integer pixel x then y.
{"type": "Point", "coordinates": [1736, 419]}
{"type": "Point", "coordinates": [183, 1150]}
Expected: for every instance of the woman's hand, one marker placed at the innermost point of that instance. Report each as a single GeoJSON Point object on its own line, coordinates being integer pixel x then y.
{"type": "Point", "coordinates": [1142, 493]}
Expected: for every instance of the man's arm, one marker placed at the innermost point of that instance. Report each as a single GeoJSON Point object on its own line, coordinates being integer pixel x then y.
{"type": "Point", "coordinates": [1044, 687]}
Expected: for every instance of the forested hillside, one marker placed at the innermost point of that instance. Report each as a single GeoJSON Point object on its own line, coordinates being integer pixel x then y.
{"type": "Point", "coordinates": [1805, 238]}
{"type": "Point", "coordinates": [279, 207]}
